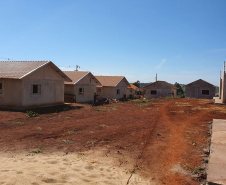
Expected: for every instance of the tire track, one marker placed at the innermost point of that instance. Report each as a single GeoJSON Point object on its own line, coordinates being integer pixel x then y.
{"type": "Point", "coordinates": [148, 139]}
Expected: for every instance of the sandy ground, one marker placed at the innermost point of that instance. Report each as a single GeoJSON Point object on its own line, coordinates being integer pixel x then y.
{"type": "Point", "coordinates": [63, 169]}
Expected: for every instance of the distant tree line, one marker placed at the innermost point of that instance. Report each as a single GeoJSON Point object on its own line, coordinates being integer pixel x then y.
{"type": "Point", "coordinates": [180, 91]}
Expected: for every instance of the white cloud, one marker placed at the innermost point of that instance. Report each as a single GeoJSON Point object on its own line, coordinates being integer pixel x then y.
{"type": "Point", "coordinates": [160, 64]}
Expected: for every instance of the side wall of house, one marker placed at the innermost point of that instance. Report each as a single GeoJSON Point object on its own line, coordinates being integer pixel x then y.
{"type": "Point", "coordinates": [69, 89]}
{"type": "Point", "coordinates": [195, 90]}
{"type": "Point", "coordinates": [130, 93]}
{"type": "Point", "coordinates": [111, 92]}
{"type": "Point", "coordinates": [161, 89]}
{"type": "Point", "coordinates": [51, 88]}
{"type": "Point", "coordinates": [123, 90]}
{"type": "Point", "coordinates": [108, 92]}
{"type": "Point", "coordinates": [11, 93]}
{"type": "Point", "coordinates": [89, 86]}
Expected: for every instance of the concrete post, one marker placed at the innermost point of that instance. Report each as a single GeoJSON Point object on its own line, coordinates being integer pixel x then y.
{"type": "Point", "coordinates": [223, 92]}
{"type": "Point", "coordinates": [220, 86]}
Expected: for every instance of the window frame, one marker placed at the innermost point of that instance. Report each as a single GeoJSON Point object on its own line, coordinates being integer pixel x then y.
{"type": "Point", "coordinates": [81, 92]}
{"type": "Point", "coordinates": [151, 92]}
{"type": "Point", "coordinates": [205, 90]}
{"type": "Point", "coordinates": [1, 87]}
{"type": "Point", "coordinates": [36, 91]}
{"type": "Point", "coordinates": [118, 91]}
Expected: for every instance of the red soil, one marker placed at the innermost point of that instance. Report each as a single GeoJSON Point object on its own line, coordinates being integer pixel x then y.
{"type": "Point", "coordinates": [153, 138]}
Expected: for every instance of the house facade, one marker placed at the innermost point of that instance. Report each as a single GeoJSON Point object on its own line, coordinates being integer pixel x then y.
{"type": "Point", "coordinates": [200, 89]}
{"type": "Point", "coordinates": [112, 87]}
{"type": "Point", "coordinates": [131, 91]}
{"type": "Point", "coordinates": [25, 84]}
{"type": "Point", "coordinates": [160, 89]}
{"type": "Point", "coordinates": [82, 87]}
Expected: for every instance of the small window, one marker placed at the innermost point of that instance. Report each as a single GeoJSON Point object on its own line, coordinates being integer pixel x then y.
{"type": "Point", "coordinates": [154, 92]}
{"type": "Point", "coordinates": [118, 91]}
{"type": "Point", "coordinates": [81, 91]}
{"type": "Point", "coordinates": [0, 88]}
{"type": "Point", "coordinates": [131, 90]}
{"type": "Point", "coordinates": [205, 92]}
{"type": "Point", "coordinates": [36, 89]}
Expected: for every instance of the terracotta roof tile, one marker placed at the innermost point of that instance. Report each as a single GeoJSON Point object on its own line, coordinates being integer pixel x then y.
{"type": "Point", "coordinates": [76, 76]}
{"type": "Point", "coordinates": [133, 87]}
{"type": "Point", "coordinates": [111, 81]}
{"type": "Point", "coordinates": [165, 83]}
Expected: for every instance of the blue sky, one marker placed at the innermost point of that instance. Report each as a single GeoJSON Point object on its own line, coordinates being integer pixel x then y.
{"type": "Point", "coordinates": [181, 40]}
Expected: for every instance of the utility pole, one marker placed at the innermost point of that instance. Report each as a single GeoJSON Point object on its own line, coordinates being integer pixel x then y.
{"type": "Point", "coordinates": [156, 78]}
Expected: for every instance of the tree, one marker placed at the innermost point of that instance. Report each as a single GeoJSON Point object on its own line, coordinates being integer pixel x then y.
{"type": "Point", "coordinates": [180, 91]}
{"type": "Point", "coordinates": [137, 83]}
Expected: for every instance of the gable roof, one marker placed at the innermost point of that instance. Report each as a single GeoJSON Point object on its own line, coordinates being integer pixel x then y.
{"type": "Point", "coordinates": [198, 81]}
{"type": "Point", "coordinates": [163, 82]}
{"type": "Point", "coordinates": [76, 76]}
{"type": "Point", "coordinates": [111, 81]}
{"type": "Point", "coordinates": [20, 69]}
{"type": "Point", "coordinates": [133, 87]}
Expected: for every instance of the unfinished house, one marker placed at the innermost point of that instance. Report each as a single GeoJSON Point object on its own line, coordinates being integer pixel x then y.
{"type": "Point", "coordinates": [199, 89]}
{"type": "Point", "coordinates": [113, 87]}
{"type": "Point", "coordinates": [222, 88]}
{"type": "Point", "coordinates": [131, 91]}
{"type": "Point", "coordinates": [160, 89]}
{"type": "Point", "coordinates": [26, 84]}
{"type": "Point", "coordinates": [82, 87]}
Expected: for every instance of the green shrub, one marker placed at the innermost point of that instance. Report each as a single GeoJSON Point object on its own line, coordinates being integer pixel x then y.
{"type": "Point", "coordinates": [31, 114]}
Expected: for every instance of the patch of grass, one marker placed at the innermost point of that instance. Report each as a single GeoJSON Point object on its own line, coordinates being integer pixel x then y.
{"type": "Point", "coordinates": [144, 100]}
{"type": "Point", "coordinates": [192, 141]}
{"type": "Point", "coordinates": [67, 117]}
{"type": "Point", "coordinates": [104, 141]}
{"type": "Point", "coordinates": [17, 123]}
{"type": "Point", "coordinates": [112, 108]}
{"type": "Point", "coordinates": [39, 128]}
{"type": "Point", "coordinates": [180, 111]}
{"type": "Point", "coordinates": [142, 104]}
{"type": "Point", "coordinates": [135, 100]}
{"type": "Point", "coordinates": [169, 97]}
{"type": "Point", "coordinates": [193, 169]}
{"type": "Point", "coordinates": [100, 110]}
{"type": "Point", "coordinates": [38, 151]}
{"type": "Point", "coordinates": [69, 132]}
{"type": "Point", "coordinates": [31, 114]}
{"type": "Point", "coordinates": [66, 141]}
{"type": "Point", "coordinates": [91, 143]}
{"type": "Point", "coordinates": [131, 171]}
{"type": "Point", "coordinates": [101, 125]}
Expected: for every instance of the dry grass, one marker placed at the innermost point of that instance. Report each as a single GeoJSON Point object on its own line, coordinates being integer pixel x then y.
{"type": "Point", "coordinates": [180, 111]}
{"type": "Point", "coordinates": [183, 104]}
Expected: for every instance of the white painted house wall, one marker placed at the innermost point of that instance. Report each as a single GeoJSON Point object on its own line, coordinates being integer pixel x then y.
{"type": "Point", "coordinates": [19, 93]}
{"type": "Point", "coordinates": [111, 92]}
{"type": "Point", "coordinates": [89, 86]}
